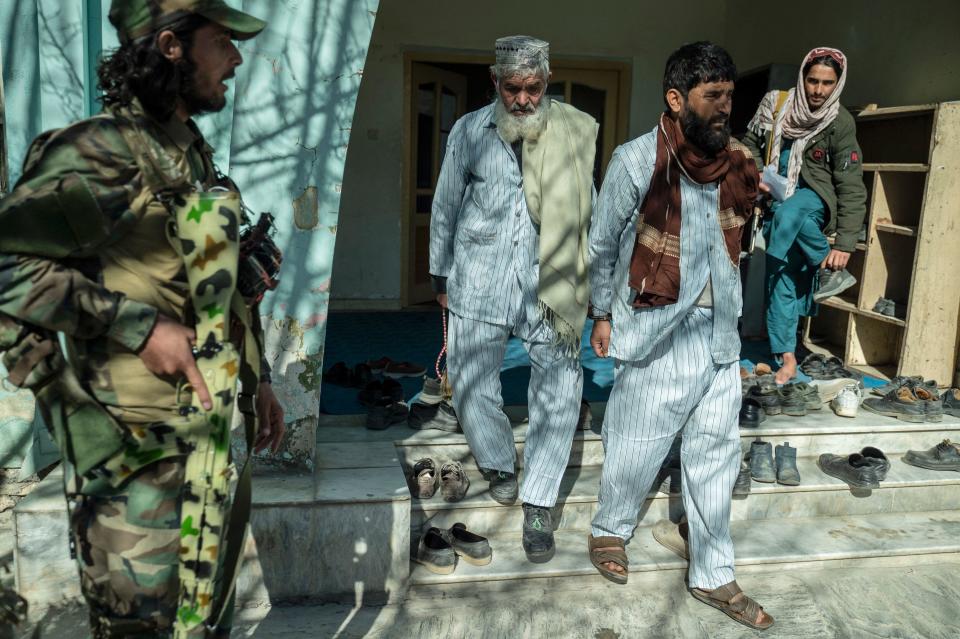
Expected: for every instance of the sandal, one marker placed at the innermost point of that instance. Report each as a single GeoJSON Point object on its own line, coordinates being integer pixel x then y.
{"type": "Point", "coordinates": [600, 557]}
{"type": "Point", "coordinates": [731, 600]}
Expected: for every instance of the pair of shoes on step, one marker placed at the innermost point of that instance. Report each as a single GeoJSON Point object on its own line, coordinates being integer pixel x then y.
{"type": "Point", "coordinates": [865, 469]}
{"type": "Point", "coordinates": [764, 469]}
{"type": "Point", "coordinates": [798, 398]}
{"type": "Point", "coordinates": [439, 550]}
{"type": "Point", "coordinates": [424, 479]}
{"type": "Point", "coordinates": [342, 375]}
{"type": "Point", "coordinates": [908, 400]}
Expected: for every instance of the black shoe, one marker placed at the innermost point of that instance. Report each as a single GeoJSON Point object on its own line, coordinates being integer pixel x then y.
{"type": "Point", "coordinates": [767, 396]}
{"type": "Point", "coordinates": [950, 401]}
{"type": "Point", "coordinates": [742, 486]}
{"type": "Point", "coordinates": [361, 376]}
{"type": "Point", "coordinates": [538, 533]}
{"type": "Point", "coordinates": [386, 414]}
{"type": "Point", "coordinates": [943, 456]}
{"type": "Point", "coordinates": [435, 553]}
{"type": "Point", "coordinates": [470, 547]}
{"type": "Point", "coordinates": [372, 394]}
{"type": "Point", "coordinates": [338, 375]}
{"type": "Point", "coordinates": [436, 416]}
{"type": "Point", "coordinates": [392, 389]}
{"type": "Point", "coordinates": [503, 486]}
{"type": "Point", "coordinates": [865, 469]}
{"type": "Point", "coordinates": [793, 400]}
{"type": "Point", "coordinates": [751, 413]}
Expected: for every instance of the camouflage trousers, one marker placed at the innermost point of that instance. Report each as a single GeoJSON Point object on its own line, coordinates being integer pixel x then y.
{"type": "Point", "coordinates": [127, 543]}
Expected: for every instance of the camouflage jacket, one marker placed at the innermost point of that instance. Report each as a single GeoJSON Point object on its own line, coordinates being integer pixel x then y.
{"type": "Point", "coordinates": [85, 252]}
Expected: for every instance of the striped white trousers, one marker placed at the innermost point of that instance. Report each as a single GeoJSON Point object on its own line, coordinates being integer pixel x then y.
{"type": "Point", "coordinates": [677, 388]}
{"type": "Point", "coordinates": [475, 356]}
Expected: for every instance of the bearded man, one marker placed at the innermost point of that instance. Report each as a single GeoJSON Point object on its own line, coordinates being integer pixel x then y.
{"type": "Point", "coordinates": [92, 251]}
{"type": "Point", "coordinates": [508, 256]}
{"type": "Point", "coordinates": [664, 253]}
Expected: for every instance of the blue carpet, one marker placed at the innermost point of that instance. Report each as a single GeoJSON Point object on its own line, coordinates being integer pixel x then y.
{"type": "Point", "coordinates": [417, 336]}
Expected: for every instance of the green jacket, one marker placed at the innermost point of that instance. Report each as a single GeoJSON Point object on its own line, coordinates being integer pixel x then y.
{"type": "Point", "coordinates": [832, 166]}
{"type": "Point", "coordinates": [86, 251]}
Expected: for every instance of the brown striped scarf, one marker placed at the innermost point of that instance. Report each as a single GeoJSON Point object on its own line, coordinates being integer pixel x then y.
{"type": "Point", "coordinates": [655, 264]}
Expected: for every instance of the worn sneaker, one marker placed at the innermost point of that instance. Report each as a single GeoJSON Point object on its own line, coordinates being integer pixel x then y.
{"type": "Point", "coordinates": [951, 402]}
{"type": "Point", "coordinates": [503, 486]}
{"type": "Point", "coordinates": [943, 456]}
{"type": "Point", "coordinates": [830, 388]}
{"type": "Point", "coordinates": [793, 400]}
{"type": "Point", "coordinates": [453, 481]}
{"type": "Point", "coordinates": [787, 472]}
{"type": "Point", "coordinates": [902, 380]}
{"type": "Point", "coordinates": [847, 401]}
{"type": "Point", "coordinates": [833, 283]}
{"type": "Point", "coordinates": [423, 479]}
{"type": "Point", "coordinates": [761, 462]}
{"type": "Point", "coordinates": [767, 396]}
{"type": "Point", "coordinates": [435, 553]}
{"type": "Point", "coordinates": [901, 403]}
{"type": "Point", "coordinates": [436, 416]}
{"type": "Point", "coordinates": [538, 533]}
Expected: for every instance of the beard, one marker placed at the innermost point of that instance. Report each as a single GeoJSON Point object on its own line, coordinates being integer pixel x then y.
{"type": "Point", "coordinates": [524, 127]}
{"type": "Point", "coordinates": [193, 98]}
{"type": "Point", "coordinates": [701, 133]}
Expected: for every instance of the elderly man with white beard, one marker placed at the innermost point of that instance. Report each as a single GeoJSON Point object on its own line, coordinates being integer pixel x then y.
{"type": "Point", "coordinates": [508, 256]}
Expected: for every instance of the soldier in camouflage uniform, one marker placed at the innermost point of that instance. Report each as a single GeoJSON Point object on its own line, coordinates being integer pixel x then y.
{"type": "Point", "coordinates": [95, 312]}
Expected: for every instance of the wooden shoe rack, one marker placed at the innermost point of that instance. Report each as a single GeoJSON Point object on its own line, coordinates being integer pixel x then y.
{"type": "Point", "coordinates": [912, 251]}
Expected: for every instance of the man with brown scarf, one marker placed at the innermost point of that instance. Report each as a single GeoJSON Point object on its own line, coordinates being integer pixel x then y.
{"type": "Point", "coordinates": [664, 249]}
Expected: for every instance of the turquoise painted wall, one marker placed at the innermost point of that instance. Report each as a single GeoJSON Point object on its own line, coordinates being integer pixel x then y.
{"type": "Point", "coordinates": [283, 138]}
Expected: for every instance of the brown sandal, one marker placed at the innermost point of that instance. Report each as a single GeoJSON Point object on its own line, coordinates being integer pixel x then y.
{"type": "Point", "coordinates": [731, 600]}
{"type": "Point", "coordinates": [600, 557]}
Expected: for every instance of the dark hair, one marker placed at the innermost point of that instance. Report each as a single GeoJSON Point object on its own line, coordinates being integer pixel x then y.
{"type": "Point", "coordinates": [825, 60]}
{"type": "Point", "coordinates": [697, 63]}
{"type": "Point", "coordinates": [138, 70]}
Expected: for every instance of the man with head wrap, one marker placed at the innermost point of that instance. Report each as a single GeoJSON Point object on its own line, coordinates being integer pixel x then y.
{"type": "Point", "coordinates": [664, 251]}
{"type": "Point", "coordinates": [810, 144]}
{"type": "Point", "coordinates": [508, 255]}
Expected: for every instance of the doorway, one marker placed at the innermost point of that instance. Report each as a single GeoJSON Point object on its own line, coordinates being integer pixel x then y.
{"type": "Point", "coordinates": [440, 89]}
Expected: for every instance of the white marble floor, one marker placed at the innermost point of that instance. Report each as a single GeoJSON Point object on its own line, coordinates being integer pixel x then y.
{"type": "Point", "coordinates": [903, 602]}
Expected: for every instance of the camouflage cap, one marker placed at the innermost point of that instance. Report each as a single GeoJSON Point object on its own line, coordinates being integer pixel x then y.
{"type": "Point", "coordinates": [136, 18]}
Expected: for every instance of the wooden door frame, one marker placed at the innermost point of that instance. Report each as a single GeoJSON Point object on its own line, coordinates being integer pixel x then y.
{"type": "Point", "coordinates": [623, 67]}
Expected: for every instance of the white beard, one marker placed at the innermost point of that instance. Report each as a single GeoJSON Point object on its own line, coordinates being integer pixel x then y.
{"type": "Point", "coordinates": [525, 127]}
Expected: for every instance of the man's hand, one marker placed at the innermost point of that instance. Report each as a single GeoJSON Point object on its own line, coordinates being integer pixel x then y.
{"type": "Point", "coordinates": [270, 419]}
{"type": "Point", "coordinates": [168, 351]}
{"type": "Point", "coordinates": [600, 337]}
{"type": "Point", "coordinates": [836, 260]}
{"type": "Point", "coordinates": [442, 300]}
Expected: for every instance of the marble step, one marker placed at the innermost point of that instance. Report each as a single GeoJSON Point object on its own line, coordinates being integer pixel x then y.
{"type": "Point", "coordinates": [763, 545]}
{"type": "Point", "coordinates": [819, 432]}
{"type": "Point", "coordinates": [907, 488]}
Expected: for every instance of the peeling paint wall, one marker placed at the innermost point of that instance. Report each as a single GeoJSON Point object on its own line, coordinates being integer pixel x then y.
{"type": "Point", "coordinates": [283, 138]}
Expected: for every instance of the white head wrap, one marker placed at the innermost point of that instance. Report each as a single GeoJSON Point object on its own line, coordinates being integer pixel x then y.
{"type": "Point", "coordinates": [520, 52]}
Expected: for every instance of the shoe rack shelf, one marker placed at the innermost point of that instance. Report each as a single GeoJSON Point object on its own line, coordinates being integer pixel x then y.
{"type": "Point", "coordinates": [912, 249]}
